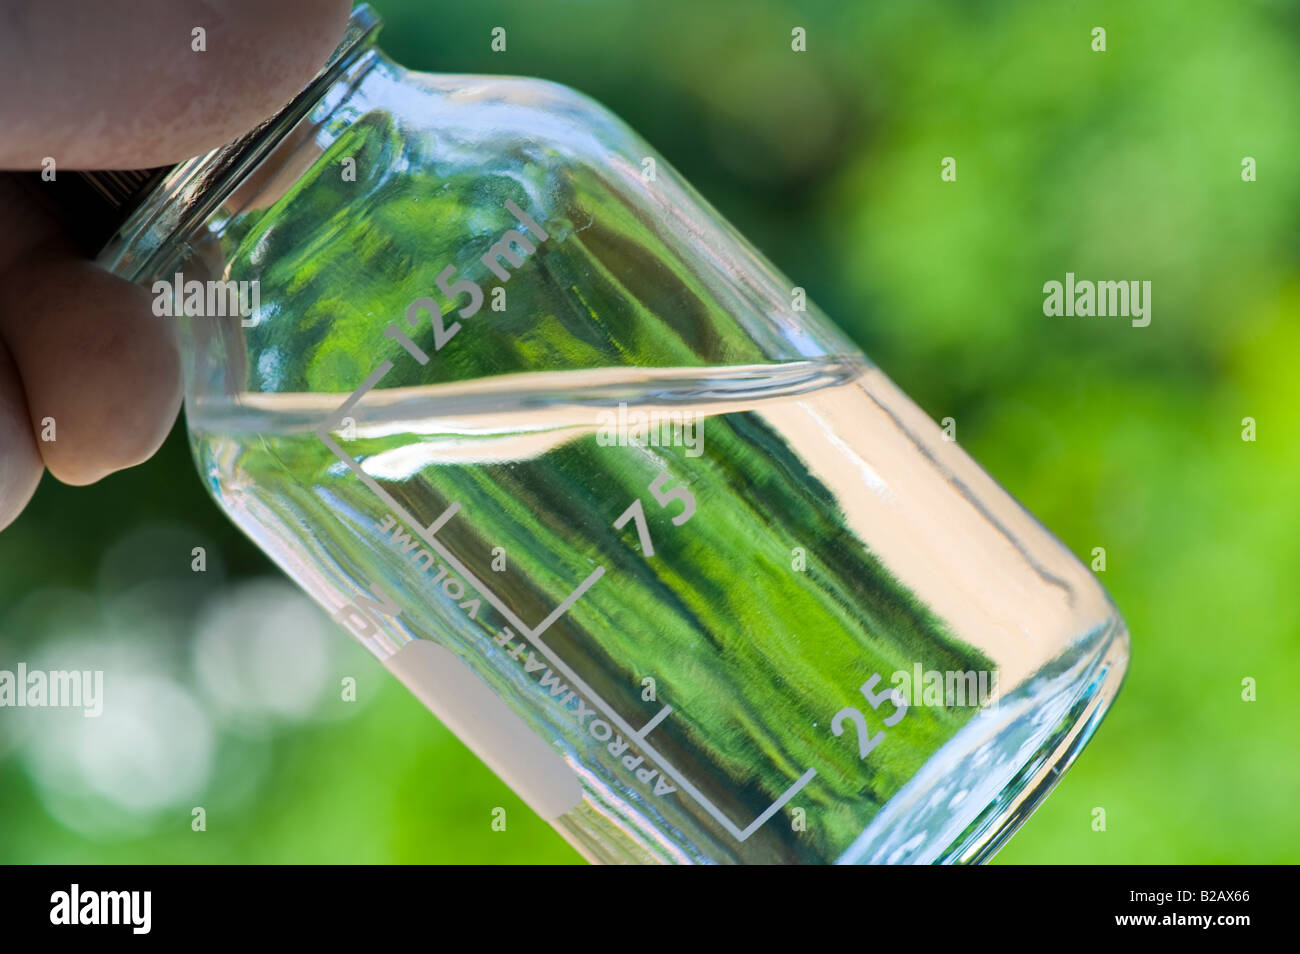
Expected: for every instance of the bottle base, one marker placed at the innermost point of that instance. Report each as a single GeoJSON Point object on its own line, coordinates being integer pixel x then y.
{"type": "Point", "coordinates": [977, 791]}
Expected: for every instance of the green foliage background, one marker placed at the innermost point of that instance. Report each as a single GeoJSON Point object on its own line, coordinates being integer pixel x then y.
{"type": "Point", "coordinates": [1117, 165]}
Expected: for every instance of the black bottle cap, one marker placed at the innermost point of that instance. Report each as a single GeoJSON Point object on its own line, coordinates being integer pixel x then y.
{"type": "Point", "coordinates": [91, 206]}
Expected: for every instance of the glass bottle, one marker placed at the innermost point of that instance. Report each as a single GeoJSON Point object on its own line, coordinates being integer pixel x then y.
{"type": "Point", "coordinates": [511, 401]}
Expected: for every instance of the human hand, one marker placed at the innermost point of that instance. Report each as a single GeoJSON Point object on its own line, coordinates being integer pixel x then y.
{"type": "Point", "coordinates": [115, 86]}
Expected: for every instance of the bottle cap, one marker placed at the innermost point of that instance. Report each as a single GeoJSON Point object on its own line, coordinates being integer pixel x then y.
{"type": "Point", "coordinates": [91, 206]}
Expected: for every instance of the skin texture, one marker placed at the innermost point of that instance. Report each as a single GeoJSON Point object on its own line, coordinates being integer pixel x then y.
{"type": "Point", "coordinates": [115, 86]}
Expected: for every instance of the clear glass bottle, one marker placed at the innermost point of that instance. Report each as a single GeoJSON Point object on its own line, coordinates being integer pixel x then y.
{"type": "Point", "coordinates": [519, 409]}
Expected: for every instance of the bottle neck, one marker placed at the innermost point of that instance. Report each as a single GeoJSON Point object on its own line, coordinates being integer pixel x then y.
{"type": "Point", "coordinates": [190, 194]}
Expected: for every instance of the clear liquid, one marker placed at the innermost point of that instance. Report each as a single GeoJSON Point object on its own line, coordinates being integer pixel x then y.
{"type": "Point", "coordinates": [832, 540]}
